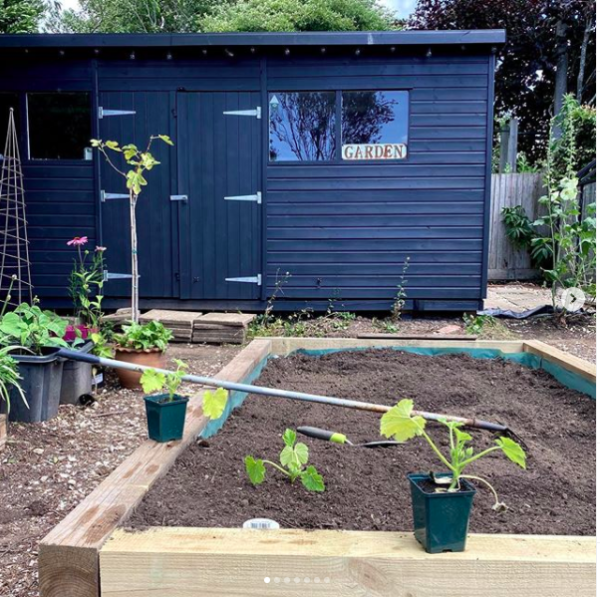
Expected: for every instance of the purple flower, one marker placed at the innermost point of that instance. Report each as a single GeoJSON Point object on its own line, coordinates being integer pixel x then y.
{"type": "Point", "coordinates": [100, 249]}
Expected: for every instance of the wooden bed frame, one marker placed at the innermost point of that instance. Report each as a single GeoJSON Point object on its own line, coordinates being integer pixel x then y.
{"type": "Point", "coordinates": [88, 555]}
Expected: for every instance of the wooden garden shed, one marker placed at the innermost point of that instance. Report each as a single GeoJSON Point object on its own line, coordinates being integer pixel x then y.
{"type": "Point", "coordinates": [325, 159]}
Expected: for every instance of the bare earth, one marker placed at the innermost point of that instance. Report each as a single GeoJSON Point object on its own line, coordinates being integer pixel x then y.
{"type": "Point", "coordinates": [48, 468]}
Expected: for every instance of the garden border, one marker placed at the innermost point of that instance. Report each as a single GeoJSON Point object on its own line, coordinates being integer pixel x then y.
{"type": "Point", "coordinates": [87, 549]}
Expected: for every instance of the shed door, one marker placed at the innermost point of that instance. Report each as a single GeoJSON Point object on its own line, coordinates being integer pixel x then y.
{"type": "Point", "coordinates": [218, 145]}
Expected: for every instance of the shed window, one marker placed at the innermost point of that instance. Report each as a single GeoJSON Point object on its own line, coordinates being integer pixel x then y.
{"type": "Point", "coordinates": [60, 126]}
{"type": "Point", "coordinates": [7, 101]}
{"type": "Point", "coordinates": [302, 126]}
{"type": "Point", "coordinates": [374, 125]}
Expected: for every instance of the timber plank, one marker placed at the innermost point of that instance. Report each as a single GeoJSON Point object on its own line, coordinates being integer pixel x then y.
{"type": "Point", "coordinates": [187, 562]}
{"type": "Point", "coordinates": [68, 555]}
{"type": "Point", "coordinates": [572, 363]}
{"type": "Point", "coordinates": [435, 337]}
{"type": "Point", "coordinates": [283, 346]}
{"type": "Point", "coordinates": [3, 431]}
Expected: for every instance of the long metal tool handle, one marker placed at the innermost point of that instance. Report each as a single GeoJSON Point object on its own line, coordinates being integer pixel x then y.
{"type": "Point", "coordinates": [250, 389]}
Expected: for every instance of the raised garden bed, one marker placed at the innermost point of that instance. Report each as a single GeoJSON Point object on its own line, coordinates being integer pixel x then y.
{"type": "Point", "coordinates": [88, 546]}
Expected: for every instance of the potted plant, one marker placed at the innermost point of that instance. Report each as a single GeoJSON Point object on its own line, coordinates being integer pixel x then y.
{"type": "Point", "coordinates": [165, 412]}
{"type": "Point", "coordinates": [86, 283]}
{"type": "Point", "coordinates": [441, 502]}
{"type": "Point", "coordinates": [141, 345]}
{"type": "Point", "coordinates": [34, 337]}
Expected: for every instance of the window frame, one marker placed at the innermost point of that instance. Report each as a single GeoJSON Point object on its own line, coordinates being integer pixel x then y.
{"type": "Point", "coordinates": [26, 128]}
{"type": "Point", "coordinates": [338, 160]}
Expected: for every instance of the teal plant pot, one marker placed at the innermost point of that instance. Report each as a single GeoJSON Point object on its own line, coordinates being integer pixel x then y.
{"type": "Point", "coordinates": [166, 419]}
{"type": "Point", "coordinates": [441, 520]}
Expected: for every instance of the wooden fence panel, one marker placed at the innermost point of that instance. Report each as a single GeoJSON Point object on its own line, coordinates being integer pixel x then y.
{"type": "Point", "coordinates": [508, 190]}
{"type": "Point", "coordinates": [588, 195]}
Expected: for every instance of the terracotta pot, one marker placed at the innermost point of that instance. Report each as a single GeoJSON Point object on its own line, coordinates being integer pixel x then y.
{"type": "Point", "coordinates": [153, 357]}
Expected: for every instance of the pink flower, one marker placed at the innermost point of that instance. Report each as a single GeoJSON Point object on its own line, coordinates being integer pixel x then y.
{"type": "Point", "coordinates": [78, 241]}
{"type": "Point", "coordinates": [100, 249]}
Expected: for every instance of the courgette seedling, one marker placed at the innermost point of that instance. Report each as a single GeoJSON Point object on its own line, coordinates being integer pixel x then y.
{"type": "Point", "coordinates": [154, 381]}
{"type": "Point", "coordinates": [294, 465]}
{"type": "Point", "coordinates": [402, 425]}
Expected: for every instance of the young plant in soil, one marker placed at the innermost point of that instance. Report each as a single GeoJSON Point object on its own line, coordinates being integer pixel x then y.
{"type": "Point", "coordinates": [154, 381]}
{"type": "Point", "coordinates": [294, 465]}
{"type": "Point", "coordinates": [400, 424]}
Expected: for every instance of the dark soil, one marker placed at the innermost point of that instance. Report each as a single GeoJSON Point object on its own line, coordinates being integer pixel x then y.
{"type": "Point", "coordinates": [367, 489]}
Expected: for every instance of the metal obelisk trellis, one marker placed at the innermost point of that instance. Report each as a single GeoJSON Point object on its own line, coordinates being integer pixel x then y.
{"type": "Point", "coordinates": [15, 270]}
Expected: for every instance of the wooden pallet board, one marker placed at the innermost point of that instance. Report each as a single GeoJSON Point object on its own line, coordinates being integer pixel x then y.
{"type": "Point", "coordinates": [172, 319]}
{"type": "Point", "coordinates": [68, 555]}
{"type": "Point", "coordinates": [3, 431]}
{"type": "Point", "coordinates": [224, 319]}
{"type": "Point", "coordinates": [188, 562]}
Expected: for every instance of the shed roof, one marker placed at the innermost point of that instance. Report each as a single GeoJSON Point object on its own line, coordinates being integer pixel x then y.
{"type": "Point", "coordinates": [181, 40]}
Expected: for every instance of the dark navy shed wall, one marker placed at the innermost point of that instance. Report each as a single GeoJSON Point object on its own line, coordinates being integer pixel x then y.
{"type": "Point", "coordinates": [342, 230]}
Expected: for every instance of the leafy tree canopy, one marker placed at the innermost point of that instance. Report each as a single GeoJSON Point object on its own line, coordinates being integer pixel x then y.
{"type": "Point", "coordinates": [21, 16]}
{"type": "Point", "coordinates": [298, 15]}
{"type": "Point", "coordinates": [525, 79]}
{"type": "Point", "coordinates": [133, 16]}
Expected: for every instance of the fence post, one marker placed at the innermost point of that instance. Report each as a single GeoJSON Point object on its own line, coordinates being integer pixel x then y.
{"type": "Point", "coordinates": [509, 146]}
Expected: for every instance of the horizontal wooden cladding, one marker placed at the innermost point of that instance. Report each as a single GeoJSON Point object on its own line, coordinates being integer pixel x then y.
{"type": "Point", "coordinates": [378, 281]}
{"type": "Point", "coordinates": [377, 292]}
{"type": "Point", "coordinates": [290, 82]}
{"type": "Point", "coordinates": [370, 170]}
{"type": "Point", "coordinates": [447, 107]}
{"type": "Point", "coordinates": [368, 69]}
{"type": "Point", "coordinates": [374, 219]}
{"type": "Point", "coordinates": [61, 214]}
{"type": "Point", "coordinates": [431, 146]}
{"type": "Point", "coordinates": [372, 184]}
{"type": "Point", "coordinates": [374, 268]}
{"type": "Point", "coordinates": [304, 258]}
{"type": "Point", "coordinates": [443, 119]}
{"type": "Point", "coordinates": [372, 206]}
{"type": "Point", "coordinates": [379, 232]}
{"type": "Point", "coordinates": [198, 83]}
{"type": "Point", "coordinates": [376, 244]}
{"type": "Point", "coordinates": [421, 196]}
{"type": "Point", "coordinates": [60, 202]}
{"type": "Point", "coordinates": [33, 169]}
{"type": "Point", "coordinates": [178, 69]}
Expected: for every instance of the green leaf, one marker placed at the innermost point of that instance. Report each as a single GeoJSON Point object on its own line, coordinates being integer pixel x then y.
{"type": "Point", "coordinates": [166, 139]}
{"type": "Point", "coordinates": [289, 437]}
{"type": "Point", "coordinates": [462, 436]}
{"type": "Point", "coordinates": [255, 469]}
{"type": "Point", "coordinates": [113, 145]}
{"type": "Point", "coordinates": [288, 457]}
{"type": "Point", "coordinates": [513, 451]}
{"type": "Point", "coordinates": [399, 423]}
{"type": "Point", "coordinates": [214, 403]}
{"type": "Point", "coordinates": [152, 381]}
{"type": "Point", "coordinates": [312, 480]}
{"type": "Point", "coordinates": [301, 451]}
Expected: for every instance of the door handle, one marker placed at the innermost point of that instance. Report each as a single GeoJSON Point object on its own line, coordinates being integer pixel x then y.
{"type": "Point", "coordinates": [183, 198]}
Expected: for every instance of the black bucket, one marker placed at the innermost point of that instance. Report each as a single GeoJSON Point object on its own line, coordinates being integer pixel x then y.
{"type": "Point", "coordinates": [41, 383]}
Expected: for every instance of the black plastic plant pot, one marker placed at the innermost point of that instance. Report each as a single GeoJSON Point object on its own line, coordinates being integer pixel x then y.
{"type": "Point", "coordinates": [166, 418]}
{"type": "Point", "coordinates": [41, 383]}
{"type": "Point", "coordinates": [441, 520]}
{"type": "Point", "coordinates": [77, 377]}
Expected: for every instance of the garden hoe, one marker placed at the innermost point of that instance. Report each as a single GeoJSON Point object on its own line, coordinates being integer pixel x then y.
{"type": "Point", "coordinates": [340, 438]}
{"type": "Point", "coordinates": [250, 389]}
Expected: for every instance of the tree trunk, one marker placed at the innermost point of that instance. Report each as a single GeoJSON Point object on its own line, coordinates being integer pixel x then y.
{"type": "Point", "coordinates": [135, 302]}
{"type": "Point", "coordinates": [562, 67]}
{"type": "Point", "coordinates": [582, 58]}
